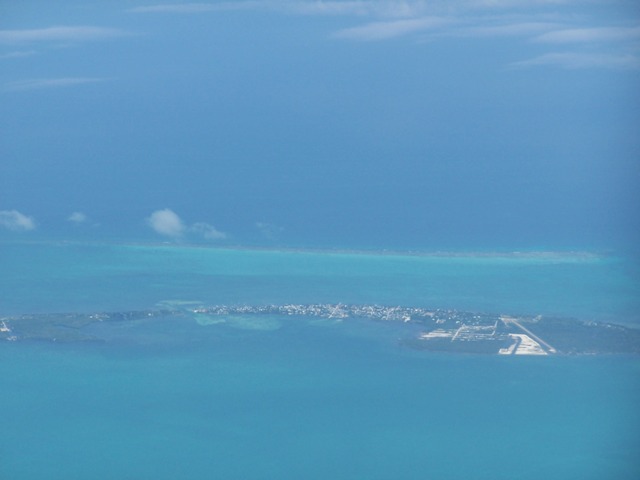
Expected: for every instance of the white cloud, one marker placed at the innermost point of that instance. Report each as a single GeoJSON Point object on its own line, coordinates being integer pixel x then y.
{"type": "Point", "coordinates": [541, 21]}
{"type": "Point", "coordinates": [379, 8]}
{"type": "Point", "coordinates": [166, 222]}
{"type": "Point", "coordinates": [16, 221]}
{"type": "Point", "coordinates": [269, 230]}
{"type": "Point", "coordinates": [504, 30]}
{"type": "Point", "coordinates": [209, 232]}
{"type": "Point", "coordinates": [36, 84]}
{"type": "Point", "coordinates": [77, 217]}
{"type": "Point", "coordinates": [520, 4]}
{"type": "Point", "coordinates": [200, 7]}
{"type": "Point", "coordinates": [571, 60]}
{"type": "Point", "coordinates": [333, 8]}
{"type": "Point", "coordinates": [390, 29]}
{"type": "Point", "coordinates": [174, 8]}
{"type": "Point", "coordinates": [18, 54]}
{"type": "Point", "coordinates": [59, 33]}
{"type": "Point", "coordinates": [598, 34]}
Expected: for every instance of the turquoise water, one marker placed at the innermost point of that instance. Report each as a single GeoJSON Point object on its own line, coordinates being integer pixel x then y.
{"type": "Point", "coordinates": [90, 277]}
{"type": "Point", "coordinates": [308, 400]}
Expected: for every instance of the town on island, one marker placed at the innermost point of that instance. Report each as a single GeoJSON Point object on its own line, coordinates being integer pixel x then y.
{"type": "Point", "coordinates": [439, 330]}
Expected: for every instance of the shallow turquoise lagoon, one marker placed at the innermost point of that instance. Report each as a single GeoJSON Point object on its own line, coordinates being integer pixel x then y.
{"type": "Point", "coordinates": [50, 277]}
{"type": "Point", "coordinates": [310, 400]}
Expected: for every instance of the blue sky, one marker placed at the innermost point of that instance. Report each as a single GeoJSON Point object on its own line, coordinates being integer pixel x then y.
{"type": "Point", "coordinates": [338, 123]}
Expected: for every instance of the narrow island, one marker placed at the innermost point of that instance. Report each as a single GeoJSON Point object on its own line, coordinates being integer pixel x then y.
{"type": "Point", "coordinates": [435, 330]}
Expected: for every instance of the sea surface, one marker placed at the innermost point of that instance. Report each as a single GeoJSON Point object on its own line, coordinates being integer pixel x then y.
{"type": "Point", "coordinates": [312, 400]}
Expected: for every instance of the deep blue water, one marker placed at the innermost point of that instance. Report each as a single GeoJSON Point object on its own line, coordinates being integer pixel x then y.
{"type": "Point", "coordinates": [339, 401]}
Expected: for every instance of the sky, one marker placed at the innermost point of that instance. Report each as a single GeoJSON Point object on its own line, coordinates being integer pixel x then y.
{"type": "Point", "coordinates": [374, 124]}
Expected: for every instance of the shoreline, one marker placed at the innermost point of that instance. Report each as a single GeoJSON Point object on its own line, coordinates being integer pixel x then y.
{"type": "Point", "coordinates": [558, 255]}
{"type": "Point", "coordinates": [427, 329]}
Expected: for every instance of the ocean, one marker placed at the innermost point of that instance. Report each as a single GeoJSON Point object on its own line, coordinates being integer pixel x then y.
{"type": "Point", "coordinates": [315, 400]}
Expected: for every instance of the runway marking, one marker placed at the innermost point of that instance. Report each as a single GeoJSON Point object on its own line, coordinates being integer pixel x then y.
{"type": "Point", "coordinates": [506, 320]}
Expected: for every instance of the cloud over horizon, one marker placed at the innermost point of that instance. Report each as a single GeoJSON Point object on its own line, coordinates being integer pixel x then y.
{"type": "Point", "coordinates": [209, 232]}
{"type": "Point", "coordinates": [16, 221]}
{"type": "Point", "coordinates": [270, 231]}
{"type": "Point", "coordinates": [166, 222]}
{"type": "Point", "coordinates": [77, 217]}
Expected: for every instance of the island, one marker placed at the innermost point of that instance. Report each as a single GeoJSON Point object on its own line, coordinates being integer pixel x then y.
{"type": "Point", "coordinates": [437, 330]}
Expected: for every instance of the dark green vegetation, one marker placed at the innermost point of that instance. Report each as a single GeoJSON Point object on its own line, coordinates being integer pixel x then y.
{"type": "Point", "coordinates": [572, 336]}
{"type": "Point", "coordinates": [433, 330]}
